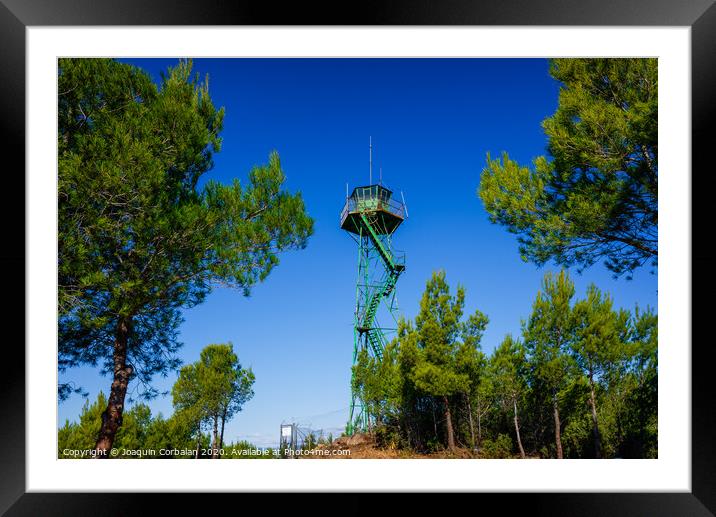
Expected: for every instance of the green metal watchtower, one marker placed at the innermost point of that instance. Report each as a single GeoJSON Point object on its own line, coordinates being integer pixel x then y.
{"type": "Point", "coordinates": [371, 216]}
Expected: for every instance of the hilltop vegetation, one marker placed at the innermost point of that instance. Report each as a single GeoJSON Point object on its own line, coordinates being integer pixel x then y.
{"type": "Point", "coordinates": [207, 394]}
{"type": "Point", "coordinates": [579, 382]}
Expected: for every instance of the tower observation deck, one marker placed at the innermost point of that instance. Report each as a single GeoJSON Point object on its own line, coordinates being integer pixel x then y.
{"type": "Point", "coordinates": [371, 216]}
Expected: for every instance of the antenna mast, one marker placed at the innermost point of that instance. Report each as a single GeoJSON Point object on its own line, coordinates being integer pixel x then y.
{"type": "Point", "coordinates": [370, 160]}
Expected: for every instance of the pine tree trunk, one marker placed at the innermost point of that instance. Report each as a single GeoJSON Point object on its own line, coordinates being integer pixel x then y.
{"type": "Point", "coordinates": [223, 422]}
{"type": "Point", "coordinates": [479, 423]}
{"type": "Point", "coordinates": [448, 424]}
{"type": "Point", "coordinates": [517, 429]}
{"type": "Point", "coordinates": [619, 434]}
{"type": "Point", "coordinates": [435, 422]}
{"type": "Point", "coordinates": [557, 431]}
{"type": "Point", "coordinates": [112, 415]}
{"type": "Point", "coordinates": [595, 428]}
{"type": "Point", "coordinates": [472, 427]}
{"type": "Point", "coordinates": [408, 429]}
{"type": "Point", "coordinates": [215, 444]}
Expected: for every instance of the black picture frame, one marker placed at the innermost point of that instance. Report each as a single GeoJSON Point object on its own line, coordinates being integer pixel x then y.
{"type": "Point", "coordinates": [700, 15]}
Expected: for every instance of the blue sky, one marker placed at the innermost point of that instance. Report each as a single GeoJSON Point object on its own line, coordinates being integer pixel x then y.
{"type": "Point", "coordinates": [432, 122]}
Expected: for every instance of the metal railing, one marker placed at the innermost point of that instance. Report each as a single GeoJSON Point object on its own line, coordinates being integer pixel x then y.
{"type": "Point", "coordinates": [398, 257]}
{"type": "Point", "coordinates": [372, 204]}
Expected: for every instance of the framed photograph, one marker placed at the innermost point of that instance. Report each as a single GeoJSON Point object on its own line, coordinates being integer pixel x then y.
{"type": "Point", "coordinates": [421, 242]}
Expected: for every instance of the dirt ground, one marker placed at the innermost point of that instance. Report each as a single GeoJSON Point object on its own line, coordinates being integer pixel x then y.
{"type": "Point", "coordinates": [362, 446]}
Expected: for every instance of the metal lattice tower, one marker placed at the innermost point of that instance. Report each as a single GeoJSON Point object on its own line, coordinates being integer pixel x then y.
{"type": "Point", "coordinates": [371, 216]}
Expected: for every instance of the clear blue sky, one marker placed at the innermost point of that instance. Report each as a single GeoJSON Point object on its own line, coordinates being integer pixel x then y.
{"type": "Point", "coordinates": [432, 122]}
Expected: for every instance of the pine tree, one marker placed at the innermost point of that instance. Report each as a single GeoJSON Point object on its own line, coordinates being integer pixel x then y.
{"type": "Point", "coordinates": [547, 335]}
{"type": "Point", "coordinates": [139, 239]}
{"type": "Point", "coordinates": [508, 367]}
{"type": "Point", "coordinates": [594, 196]}
{"type": "Point", "coordinates": [641, 429]}
{"type": "Point", "coordinates": [596, 346]}
{"type": "Point", "coordinates": [471, 362]}
{"type": "Point", "coordinates": [82, 435]}
{"type": "Point", "coordinates": [438, 368]}
{"type": "Point", "coordinates": [210, 391]}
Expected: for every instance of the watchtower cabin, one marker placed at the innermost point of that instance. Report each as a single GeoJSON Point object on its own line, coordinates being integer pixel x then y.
{"type": "Point", "coordinates": [376, 203]}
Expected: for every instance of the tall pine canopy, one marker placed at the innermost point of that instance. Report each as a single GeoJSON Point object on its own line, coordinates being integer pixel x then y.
{"type": "Point", "coordinates": [548, 332]}
{"type": "Point", "coordinates": [140, 236]}
{"type": "Point", "coordinates": [594, 196]}
{"type": "Point", "coordinates": [508, 368]}
{"type": "Point", "coordinates": [445, 348]}
{"type": "Point", "coordinates": [212, 390]}
{"type": "Point", "coordinates": [596, 346]}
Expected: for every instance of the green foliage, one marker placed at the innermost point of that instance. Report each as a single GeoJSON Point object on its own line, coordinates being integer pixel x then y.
{"type": "Point", "coordinates": [135, 424]}
{"type": "Point", "coordinates": [310, 442]}
{"type": "Point", "coordinates": [597, 332]}
{"type": "Point", "coordinates": [213, 389]}
{"type": "Point", "coordinates": [569, 348]}
{"type": "Point", "coordinates": [139, 239]}
{"type": "Point", "coordinates": [508, 371]}
{"type": "Point", "coordinates": [140, 431]}
{"type": "Point", "coordinates": [82, 435]}
{"type": "Point", "coordinates": [389, 438]}
{"type": "Point", "coordinates": [594, 196]}
{"type": "Point", "coordinates": [434, 358]}
{"type": "Point", "coordinates": [500, 447]}
{"type": "Point", "coordinates": [639, 410]}
{"type": "Point", "coordinates": [548, 332]}
{"type": "Point", "coordinates": [577, 435]}
{"type": "Point", "coordinates": [379, 382]}
{"type": "Point", "coordinates": [443, 365]}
